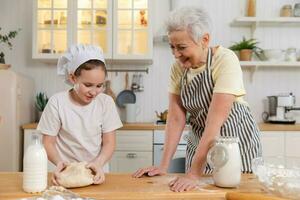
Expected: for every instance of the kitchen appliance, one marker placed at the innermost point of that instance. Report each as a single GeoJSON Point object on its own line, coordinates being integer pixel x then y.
{"type": "Point", "coordinates": [162, 116]}
{"type": "Point", "coordinates": [177, 164]}
{"type": "Point", "coordinates": [279, 106]}
{"type": "Point", "coordinates": [16, 109]}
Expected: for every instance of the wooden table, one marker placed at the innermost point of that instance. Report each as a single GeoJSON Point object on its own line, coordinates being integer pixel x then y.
{"type": "Point", "coordinates": [123, 186]}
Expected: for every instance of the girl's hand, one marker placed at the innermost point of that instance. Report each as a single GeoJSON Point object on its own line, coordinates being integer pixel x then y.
{"type": "Point", "coordinates": [61, 165]}
{"type": "Point", "coordinates": [98, 171]}
{"type": "Point", "coordinates": [184, 183]}
{"type": "Point", "coordinates": [150, 171]}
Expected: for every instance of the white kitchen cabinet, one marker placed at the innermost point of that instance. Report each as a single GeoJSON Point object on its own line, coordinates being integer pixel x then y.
{"type": "Point", "coordinates": [121, 27]}
{"type": "Point", "coordinates": [51, 28]}
{"type": "Point", "coordinates": [134, 149]}
{"type": "Point", "coordinates": [27, 141]}
{"type": "Point", "coordinates": [93, 24]}
{"type": "Point", "coordinates": [292, 148]}
{"type": "Point", "coordinates": [132, 33]}
{"type": "Point", "coordinates": [130, 161]}
{"type": "Point", "coordinates": [268, 139]}
{"type": "Point", "coordinates": [281, 146]}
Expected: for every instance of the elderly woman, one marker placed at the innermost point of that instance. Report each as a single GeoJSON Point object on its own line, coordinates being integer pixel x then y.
{"type": "Point", "coordinates": [207, 83]}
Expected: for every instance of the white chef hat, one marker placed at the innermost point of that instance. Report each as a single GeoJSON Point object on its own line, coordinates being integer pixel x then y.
{"type": "Point", "coordinates": [75, 56]}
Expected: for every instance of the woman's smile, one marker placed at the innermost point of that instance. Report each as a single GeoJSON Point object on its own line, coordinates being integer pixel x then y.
{"type": "Point", "coordinates": [185, 49]}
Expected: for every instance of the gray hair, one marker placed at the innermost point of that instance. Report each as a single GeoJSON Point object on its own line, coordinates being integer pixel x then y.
{"type": "Point", "coordinates": [195, 20]}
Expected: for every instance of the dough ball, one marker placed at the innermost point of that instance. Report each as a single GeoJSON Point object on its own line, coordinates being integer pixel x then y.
{"type": "Point", "coordinates": [75, 175]}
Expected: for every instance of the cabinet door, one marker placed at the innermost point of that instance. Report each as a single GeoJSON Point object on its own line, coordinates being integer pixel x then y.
{"type": "Point", "coordinates": [27, 141]}
{"type": "Point", "coordinates": [272, 145]}
{"type": "Point", "coordinates": [50, 28]}
{"type": "Point", "coordinates": [130, 161]}
{"type": "Point", "coordinates": [132, 140]}
{"type": "Point", "coordinates": [132, 30]}
{"type": "Point", "coordinates": [94, 24]}
{"type": "Point", "coordinates": [292, 148]}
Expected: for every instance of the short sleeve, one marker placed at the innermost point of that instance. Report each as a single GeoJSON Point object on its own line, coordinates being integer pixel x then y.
{"type": "Point", "coordinates": [111, 118]}
{"type": "Point", "coordinates": [228, 75]}
{"type": "Point", "coordinates": [176, 74]}
{"type": "Point", "coordinates": [50, 123]}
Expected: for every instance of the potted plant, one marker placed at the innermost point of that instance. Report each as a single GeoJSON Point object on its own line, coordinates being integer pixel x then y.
{"type": "Point", "coordinates": [41, 101]}
{"type": "Point", "coordinates": [5, 39]}
{"type": "Point", "coordinates": [245, 48]}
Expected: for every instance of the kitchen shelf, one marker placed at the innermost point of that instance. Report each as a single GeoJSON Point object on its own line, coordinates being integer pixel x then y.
{"type": "Point", "coordinates": [269, 64]}
{"type": "Point", "coordinates": [250, 21]}
{"type": "Point", "coordinates": [254, 65]}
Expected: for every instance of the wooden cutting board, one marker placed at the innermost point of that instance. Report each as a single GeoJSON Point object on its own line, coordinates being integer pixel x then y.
{"type": "Point", "coordinates": [123, 186]}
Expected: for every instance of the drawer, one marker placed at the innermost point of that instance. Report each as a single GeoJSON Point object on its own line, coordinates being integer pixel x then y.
{"type": "Point", "coordinates": [134, 140]}
{"type": "Point", "coordinates": [130, 161]}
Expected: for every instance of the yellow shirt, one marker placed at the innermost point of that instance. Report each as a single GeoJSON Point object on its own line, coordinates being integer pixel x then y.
{"type": "Point", "coordinates": [226, 73]}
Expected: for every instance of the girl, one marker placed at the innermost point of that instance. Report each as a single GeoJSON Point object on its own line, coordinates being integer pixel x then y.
{"type": "Point", "coordinates": [79, 124]}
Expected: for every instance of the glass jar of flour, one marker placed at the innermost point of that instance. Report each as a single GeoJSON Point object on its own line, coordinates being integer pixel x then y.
{"type": "Point", "coordinates": [225, 158]}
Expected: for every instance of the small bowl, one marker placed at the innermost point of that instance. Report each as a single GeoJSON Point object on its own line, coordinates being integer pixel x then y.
{"type": "Point", "coordinates": [274, 54]}
{"type": "Point", "coordinates": [277, 178]}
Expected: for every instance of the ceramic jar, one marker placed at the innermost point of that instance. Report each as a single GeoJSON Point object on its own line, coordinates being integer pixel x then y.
{"type": "Point", "coordinates": [297, 10]}
{"type": "Point", "coordinates": [286, 11]}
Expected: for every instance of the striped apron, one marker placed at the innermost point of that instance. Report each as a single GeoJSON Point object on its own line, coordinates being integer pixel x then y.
{"type": "Point", "coordinates": [196, 97]}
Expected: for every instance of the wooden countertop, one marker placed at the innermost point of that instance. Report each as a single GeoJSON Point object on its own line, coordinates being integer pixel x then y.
{"type": "Point", "coordinates": [126, 126]}
{"type": "Point", "coordinates": [123, 186]}
{"type": "Point", "coordinates": [152, 126]}
{"type": "Point", "coordinates": [279, 127]}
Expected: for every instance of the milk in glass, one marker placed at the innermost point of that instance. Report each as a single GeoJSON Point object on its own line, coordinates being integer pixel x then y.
{"type": "Point", "coordinates": [35, 166]}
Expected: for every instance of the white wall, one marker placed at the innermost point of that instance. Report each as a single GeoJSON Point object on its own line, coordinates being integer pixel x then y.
{"type": "Point", "coordinates": [266, 81]}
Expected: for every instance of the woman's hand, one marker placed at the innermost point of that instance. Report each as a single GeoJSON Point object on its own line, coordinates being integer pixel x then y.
{"type": "Point", "coordinates": [61, 165]}
{"type": "Point", "coordinates": [184, 183]}
{"type": "Point", "coordinates": [98, 171]}
{"type": "Point", "coordinates": [150, 171]}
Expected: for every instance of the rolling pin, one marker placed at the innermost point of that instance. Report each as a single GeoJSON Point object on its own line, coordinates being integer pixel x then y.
{"type": "Point", "coordinates": [249, 196]}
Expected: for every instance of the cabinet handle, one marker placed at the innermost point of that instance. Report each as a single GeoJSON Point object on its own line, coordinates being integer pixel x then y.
{"type": "Point", "coordinates": [179, 148]}
{"type": "Point", "coordinates": [131, 155]}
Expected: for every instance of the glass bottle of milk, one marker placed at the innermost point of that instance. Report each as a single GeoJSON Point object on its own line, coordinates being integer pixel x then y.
{"type": "Point", "coordinates": [35, 166]}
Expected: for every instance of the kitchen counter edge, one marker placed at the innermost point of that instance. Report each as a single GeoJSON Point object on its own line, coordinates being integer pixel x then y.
{"type": "Point", "coordinates": [152, 126]}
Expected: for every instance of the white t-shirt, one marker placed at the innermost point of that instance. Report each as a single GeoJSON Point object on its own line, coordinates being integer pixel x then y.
{"type": "Point", "coordinates": [79, 129]}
